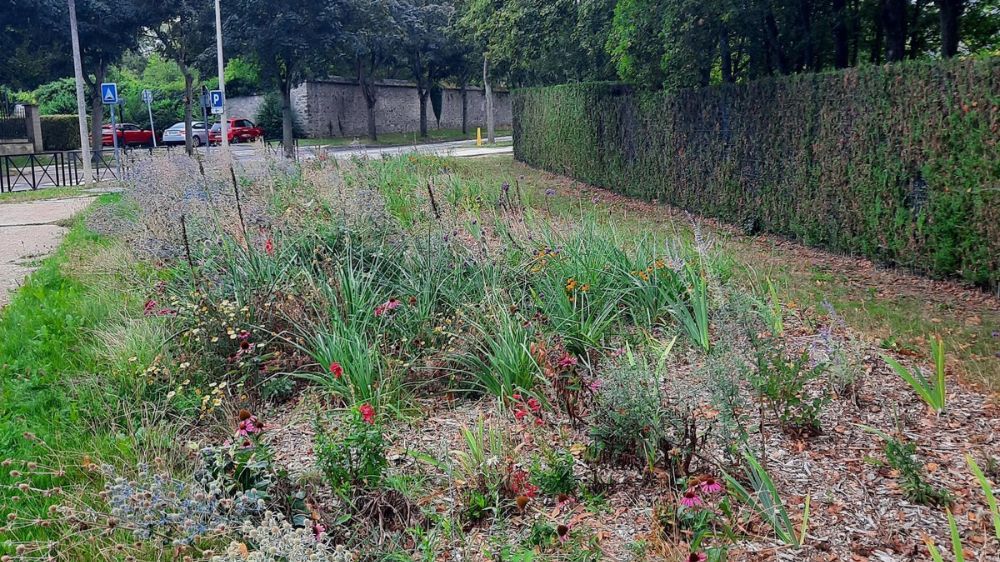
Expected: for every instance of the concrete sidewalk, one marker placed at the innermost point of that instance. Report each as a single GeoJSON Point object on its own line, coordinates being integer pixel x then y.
{"type": "Point", "coordinates": [30, 232]}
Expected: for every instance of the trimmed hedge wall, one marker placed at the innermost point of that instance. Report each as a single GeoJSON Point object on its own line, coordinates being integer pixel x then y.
{"type": "Point", "coordinates": [60, 132]}
{"type": "Point", "coordinates": [897, 163]}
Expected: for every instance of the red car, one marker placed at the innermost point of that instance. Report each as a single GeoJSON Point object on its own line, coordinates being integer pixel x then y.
{"type": "Point", "coordinates": [239, 130]}
{"type": "Point", "coordinates": [129, 134]}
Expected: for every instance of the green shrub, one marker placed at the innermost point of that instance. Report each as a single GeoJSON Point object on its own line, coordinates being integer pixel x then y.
{"type": "Point", "coordinates": [890, 162]}
{"type": "Point", "coordinates": [352, 453]}
{"type": "Point", "coordinates": [269, 118]}
{"type": "Point", "coordinates": [60, 132]}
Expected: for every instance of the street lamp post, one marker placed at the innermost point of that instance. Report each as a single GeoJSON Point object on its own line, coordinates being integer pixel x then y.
{"type": "Point", "coordinates": [224, 127]}
{"type": "Point", "coordinates": [81, 108]}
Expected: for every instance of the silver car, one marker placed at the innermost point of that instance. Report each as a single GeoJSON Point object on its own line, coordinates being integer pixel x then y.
{"type": "Point", "coordinates": [175, 134]}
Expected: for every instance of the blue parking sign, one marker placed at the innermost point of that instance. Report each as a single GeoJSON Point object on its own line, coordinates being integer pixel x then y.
{"type": "Point", "coordinates": [109, 93]}
{"type": "Point", "coordinates": [216, 101]}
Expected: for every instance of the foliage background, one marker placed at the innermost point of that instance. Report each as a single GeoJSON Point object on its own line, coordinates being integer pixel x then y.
{"type": "Point", "coordinates": [896, 163]}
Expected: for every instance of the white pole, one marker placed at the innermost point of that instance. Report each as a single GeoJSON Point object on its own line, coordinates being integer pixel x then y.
{"type": "Point", "coordinates": [81, 107]}
{"type": "Point", "coordinates": [152, 127]}
{"type": "Point", "coordinates": [222, 79]}
{"type": "Point", "coordinates": [114, 137]}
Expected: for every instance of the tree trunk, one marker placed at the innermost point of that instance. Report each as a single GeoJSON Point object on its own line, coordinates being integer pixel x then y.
{"type": "Point", "coordinates": [950, 13]}
{"type": "Point", "coordinates": [841, 53]}
{"type": "Point", "coordinates": [894, 19]}
{"type": "Point", "coordinates": [465, 108]}
{"type": "Point", "coordinates": [727, 56]}
{"type": "Point", "coordinates": [287, 125]}
{"type": "Point", "coordinates": [490, 118]}
{"type": "Point", "coordinates": [422, 93]}
{"type": "Point", "coordinates": [97, 111]}
{"type": "Point", "coordinates": [916, 47]}
{"type": "Point", "coordinates": [879, 33]}
{"type": "Point", "coordinates": [808, 55]}
{"type": "Point", "coordinates": [188, 110]}
{"type": "Point", "coordinates": [774, 45]}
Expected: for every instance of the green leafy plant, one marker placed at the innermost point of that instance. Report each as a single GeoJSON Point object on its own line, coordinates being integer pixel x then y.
{"type": "Point", "coordinates": [782, 382]}
{"type": "Point", "coordinates": [553, 474]}
{"type": "Point", "coordinates": [931, 390]}
{"type": "Point", "coordinates": [351, 451]}
{"type": "Point", "coordinates": [499, 358]}
{"type": "Point", "coordinates": [956, 542]}
{"type": "Point", "coordinates": [902, 456]}
{"type": "Point", "coordinates": [691, 311]}
{"type": "Point", "coordinates": [763, 497]}
{"type": "Point", "coordinates": [481, 469]}
{"type": "Point", "coordinates": [991, 499]}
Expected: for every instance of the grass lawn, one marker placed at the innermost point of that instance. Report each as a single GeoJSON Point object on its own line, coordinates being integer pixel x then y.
{"type": "Point", "coordinates": [54, 365]}
{"type": "Point", "coordinates": [398, 139]}
{"type": "Point", "coordinates": [43, 193]}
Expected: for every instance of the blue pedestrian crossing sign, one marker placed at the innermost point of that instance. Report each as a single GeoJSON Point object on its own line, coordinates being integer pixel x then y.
{"type": "Point", "coordinates": [109, 93]}
{"type": "Point", "coordinates": [216, 101]}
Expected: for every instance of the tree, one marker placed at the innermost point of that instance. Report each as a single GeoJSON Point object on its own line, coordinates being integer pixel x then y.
{"type": "Point", "coordinates": [425, 46]}
{"type": "Point", "coordinates": [373, 36]}
{"type": "Point", "coordinates": [287, 40]}
{"type": "Point", "coordinates": [950, 12]}
{"type": "Point", "coordinates": [636, 42]}
{"type": "Point", "coordinates": [184, 34]}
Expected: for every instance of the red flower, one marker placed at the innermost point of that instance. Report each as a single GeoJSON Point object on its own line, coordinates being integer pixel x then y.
{"type": "Point", "coordinates": [367, 413]}
{"type": "Point", "coordinates": [519, 414]}
{"type": "Point", "coordinates": [336, 370]}
{"type": "Point", "coordinates": [534, 404]}
{"type": "Point", "coordinates": [269, 247]}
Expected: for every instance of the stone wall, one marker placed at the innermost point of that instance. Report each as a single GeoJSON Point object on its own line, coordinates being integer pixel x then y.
{"type": "Point", "coordinates": [336, 108]}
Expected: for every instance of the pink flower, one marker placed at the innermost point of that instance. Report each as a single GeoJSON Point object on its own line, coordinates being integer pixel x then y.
{"type": "Point", "coordinates": [248, 424]}
{"type": "Point", "coordinates": [711, 486]}
{"type": "Point", "coordinates": [516, 396]}
{"type": "Point", "coordinates": [539, 421]}
{"type": "Point", "coordinates": [336, 370]}
{"type": "Point", "coordinates": [567, 360]}
{"type": "Point", "coordinates": [697, 557]}
{"type": "Point", "coordinates": [534, 404]}
{"type": "Point", "coordinates": [318, 531]}
{"type": "Point", "coordinates": [269, 247]}
{"type": "Point", "coordinates": [595, 385]}
{"type": "Point", "coordinates": [387, 306]}
{"type": "Point", "coordinates": [519, 414]}
{"type": "Point", "coordinates": [367, 413]}
{"type": "Point", "coordinates": [691, 499]}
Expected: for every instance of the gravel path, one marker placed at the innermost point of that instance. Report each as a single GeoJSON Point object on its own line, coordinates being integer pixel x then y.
{"type": "Point", "coordinates": [30, 231]}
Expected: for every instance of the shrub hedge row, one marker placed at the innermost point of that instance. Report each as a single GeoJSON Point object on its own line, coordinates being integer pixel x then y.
{"type": "Point", "coordinates": [60, 132]}
{"type": "Point", "coordinates": [897, 163]}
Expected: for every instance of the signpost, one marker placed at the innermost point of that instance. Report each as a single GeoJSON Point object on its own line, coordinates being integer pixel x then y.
{"type": "Point", "coordinates": [218, 102]}
{"type": "Point", "coordinates": [147, 96]}
{"type": "Point", "coordinates": [205, 104]}
{"type": "Point", "coordinates": [109, 96]}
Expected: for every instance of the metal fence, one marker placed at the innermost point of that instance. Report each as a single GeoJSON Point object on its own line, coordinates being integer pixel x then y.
{"type": "Point", "coordinates": [53, 169]}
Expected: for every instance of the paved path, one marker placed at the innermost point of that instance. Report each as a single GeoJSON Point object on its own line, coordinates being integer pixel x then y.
{"type": "Point", "coordinates": [29, 232]}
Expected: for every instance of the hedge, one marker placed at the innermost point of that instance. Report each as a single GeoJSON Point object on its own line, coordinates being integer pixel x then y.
{"type": "Point", "coordinates": [898, 163]}
{"type": "Point", "coordinates": [60, 132]}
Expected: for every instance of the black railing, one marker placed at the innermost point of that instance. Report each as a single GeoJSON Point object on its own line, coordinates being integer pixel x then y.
{"type": "Point", "coordinates": [53, 169]}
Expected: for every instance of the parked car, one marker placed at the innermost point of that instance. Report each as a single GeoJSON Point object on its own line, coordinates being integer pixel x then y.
{"type": "Point", "coordinates": [129, 134]}
{"type": "Point", "coordinates": [175, 133]}
{"type": "Point", "coordinates": [239, 130]}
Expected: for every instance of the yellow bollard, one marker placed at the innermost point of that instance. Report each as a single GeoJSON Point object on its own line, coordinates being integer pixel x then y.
{"type": "Point", "coordinates": [479, 136]}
